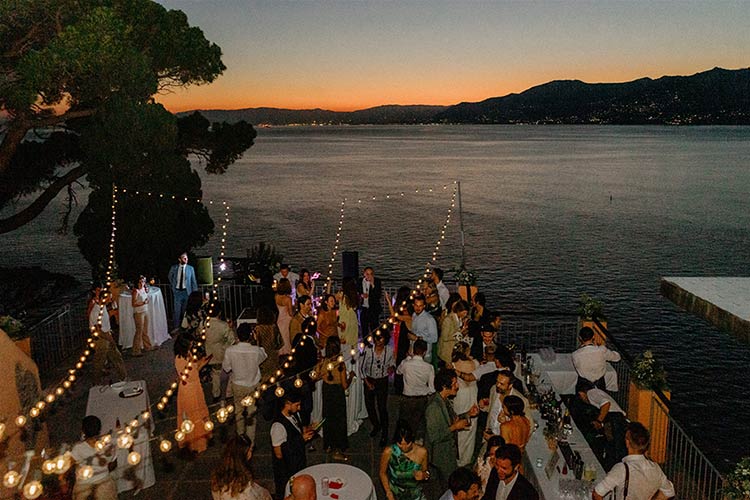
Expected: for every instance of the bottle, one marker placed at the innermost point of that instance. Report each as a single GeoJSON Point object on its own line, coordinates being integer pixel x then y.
{"type": "Point", "coordinates": [117, 424]}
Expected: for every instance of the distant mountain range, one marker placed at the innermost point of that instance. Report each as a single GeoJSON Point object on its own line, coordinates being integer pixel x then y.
{"type": "Point", "coordinates": [715, 97]}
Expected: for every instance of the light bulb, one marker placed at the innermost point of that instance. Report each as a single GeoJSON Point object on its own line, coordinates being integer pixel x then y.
{"type": "Point", "coordinates": [340, 359]}
{"type": "Point", "coordinates": [11, 479]}
{"type": "Point", "coordinates": [222, 415]}
{"type": "Point", "coordinates": [208, 426]}
{"type": "Point", "coordinates": [50, 398]}
{"type": "Point", "coordinates": [34, 412]}
{"type": "Point", "coordinates": [165, 445]}
{"type": "Point", "coordinates": [124, 440]}
{"type": "Point", "coordinates": [247, 401]}
{"type": "Point", "coordinates": [298, 383]}
{"type": "Point", "coordinates": [179, 436]}
{"type": "Point", "coordinates": [134, 458]}
{"type": "Point", "coordinates": [230, 408]}
{"type": "Point", "coordinates": [279, 391]}
{"type": "Point", "coordinates": [100, 445]}
{"type": "Point", "coordinates": [62, 463]}
{"type": "Point", "coordinates": [48, 467]}
{"type": "Point", "coordinates": [145, 416]}
{"type": "Point", "coordinates": [134, 423]}
{"type": "Point", "coordinates": [187, 426]}
{"type": "Point", "coordinates": [21, 420]}
{"type": "Point", "coordinates": [85, 472]}
{"type": "Point", "coordinates": [32, 489]}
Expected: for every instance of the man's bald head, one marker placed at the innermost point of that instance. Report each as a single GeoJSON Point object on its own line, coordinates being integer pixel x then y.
{"type": "Point", "coordinates": [303, 488]}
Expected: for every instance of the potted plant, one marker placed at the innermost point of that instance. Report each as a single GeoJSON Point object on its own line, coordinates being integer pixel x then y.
{"type": "Point", "coordinates": [647, 375]}
{"type": "Point", "coordinates": [467, 281]}
{"type": "Point", "coordinates": [737, 484]}
{"type": "Point", "coordinates": [17, 333]}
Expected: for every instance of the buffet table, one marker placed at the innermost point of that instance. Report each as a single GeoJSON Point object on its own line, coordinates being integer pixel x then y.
{"type": "Point", "coordinates": [546, 477]}
{"type": "Point", "coordinates": [106, 402]}
{"type": "Point", "coordinates": [563, 376]}
{"type": "Point", "coordinates": [158, 331]}
{"type": "Point", "coordinates": [356, 484]}
{"type": "Point", "coordinates": [355, 399]}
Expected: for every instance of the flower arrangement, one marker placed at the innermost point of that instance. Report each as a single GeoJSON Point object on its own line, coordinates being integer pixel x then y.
{"type": "Point", "coordinates": [737, 484]}
{"type": "Point", "coordinates": [590, 308]}
{"type": "Point", "coordinates": [13, 327]}
{"type": "Point", "coordinates": [465, 277]}
{"type": "Point", "coordinates": [648, 373]}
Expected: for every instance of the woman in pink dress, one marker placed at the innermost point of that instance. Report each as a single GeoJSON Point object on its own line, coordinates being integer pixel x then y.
{"type": "Point", "coordinates": [190, 399]}
{"type": "Point", "coordinates": [284, 304]}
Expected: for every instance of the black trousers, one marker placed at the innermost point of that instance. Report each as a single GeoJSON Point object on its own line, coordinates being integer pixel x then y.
{"type": "Point", "coordinates": [376, 402]}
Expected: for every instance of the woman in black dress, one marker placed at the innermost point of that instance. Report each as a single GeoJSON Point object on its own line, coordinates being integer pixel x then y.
{"type": "Point", "coordinates": [336, 380]}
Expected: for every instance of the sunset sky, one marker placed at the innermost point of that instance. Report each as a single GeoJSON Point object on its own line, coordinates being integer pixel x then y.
{"type": "Point", "coordinates": [349, 55]}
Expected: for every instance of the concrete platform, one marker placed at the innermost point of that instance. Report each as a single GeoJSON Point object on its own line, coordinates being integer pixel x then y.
{"type": "Point", "coordinates": [723, 301]}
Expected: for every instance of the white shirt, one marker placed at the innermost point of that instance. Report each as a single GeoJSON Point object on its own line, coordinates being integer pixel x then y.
{"type": "Point", "coordinates": [443, 293]}
{"type": "Point", "coordinates": [376, 365]}
{"type": "Point", "coordinates": [366, 290]}
{"type": "Point", "coordinates": [484, 369]}
{"type": "Point", "coordinates": [503, 490]}
{"type": "Point", "coordinates": [424, 326]}
{"type": "Point", "coordinates": [94, 317]}
{"type": "Point", "coordinates": [84, 454]}
{"type": "Point", "coordinates": [598, 398]}
{"type": "Point", "coordinates": [496, 408]}
{"type": "Point", "coordinates": [590, 361]}
{"type": "Point", "coordinates": [646, 478]}
{"type": "Point", "coordinates": [244, 360]}
{"type": "Point", "coordinates": [419, 376]}
{"type": "Point", "coordinates": [278, 431]}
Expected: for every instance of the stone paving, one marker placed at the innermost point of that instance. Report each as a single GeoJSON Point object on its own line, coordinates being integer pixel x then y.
{"type": "Point", "coordinates": [178, 475]}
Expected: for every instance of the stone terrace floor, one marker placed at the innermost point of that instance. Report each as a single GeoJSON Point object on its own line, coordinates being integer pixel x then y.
{"type": "Point", "coordinates": [179, 476]}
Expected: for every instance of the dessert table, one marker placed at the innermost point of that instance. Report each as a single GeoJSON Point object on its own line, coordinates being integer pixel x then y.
{"type": "Point", "coordinates": [107, 403]}
{"type": "Point", "coordinates": [356, 412]}
{"type": "Point", "coordinates": [547, 480]}
{"type": "Point", "coordinates": [356, 484]}
{"type": "Point", "coordinates": [563, 376]}
{"type": "Point", "coordinates": [158, 331]}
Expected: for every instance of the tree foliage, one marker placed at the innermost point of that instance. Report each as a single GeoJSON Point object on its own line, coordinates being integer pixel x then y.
{"type": "Point", "coordinates": [77, 86]}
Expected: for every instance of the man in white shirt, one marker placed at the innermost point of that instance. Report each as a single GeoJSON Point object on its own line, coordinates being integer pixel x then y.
{"type": "Point", "coordinates": [442, 290]}
{"type": "Point", "coordinates": [503, 387]}
{"type": "Point", "coordinates": [611, 416]}
{"type": "Point", "coordinates": [285, 272]}
{"type": "Point", "coordinates": [463, 484]}
{"type": "Point", "coordinates": [419, 378]}
{"type": "Point", "coordinates": [100, 484]}
{"type": "Point", "coordinates": [590, 360]}
{"type": "Point", "coordinates": [288, 437]}
{"type": "Point", "coordinates": [636, 477]}
{"type": "Point", "coordinates": [243, 361]}
{"type": "Point", "coordinates": [423, 326]}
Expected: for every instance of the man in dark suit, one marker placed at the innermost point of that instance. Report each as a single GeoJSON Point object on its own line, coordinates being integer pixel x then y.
{"type": "Point", "coordinates": [371, 292]}
{"type": "Point", "coordinates": [182, 279]}
{"type": "Point", "coordinates": [505, 482]}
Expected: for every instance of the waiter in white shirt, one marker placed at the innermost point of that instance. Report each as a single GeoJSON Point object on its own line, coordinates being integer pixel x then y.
{"type": "Point", "coordinates": [590, 360]}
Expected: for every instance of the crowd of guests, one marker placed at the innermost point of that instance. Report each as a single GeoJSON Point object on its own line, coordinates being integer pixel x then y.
{"type": "Point", "coordinates": [463, 419]}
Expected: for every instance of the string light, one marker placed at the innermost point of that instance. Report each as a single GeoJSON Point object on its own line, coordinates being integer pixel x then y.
{"type": "Point", "coordinates": [335, 245]}
{"type": "Point", "coordinates": [32, 490]}
{"type": "Point", "coordinates": [165, 445]}
{"type": "Point", "coordinates": [11, 479]}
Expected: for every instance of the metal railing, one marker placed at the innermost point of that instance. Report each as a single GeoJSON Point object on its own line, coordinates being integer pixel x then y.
{"type": "Point", "coordinates": [234, 297]}
{"type": "Point", "coordinates": [57, 337]}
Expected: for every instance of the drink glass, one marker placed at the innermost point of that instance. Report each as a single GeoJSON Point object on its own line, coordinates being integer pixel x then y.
{"type": "Point", "coordinates": [324, 486]}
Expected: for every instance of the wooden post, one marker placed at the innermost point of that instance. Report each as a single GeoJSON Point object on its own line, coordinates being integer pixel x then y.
{"type": "Point", "coordinates": [644, 406]}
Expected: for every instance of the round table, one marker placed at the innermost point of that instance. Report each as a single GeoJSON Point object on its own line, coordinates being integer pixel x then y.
{"type": "Point", "coordinates": [158, 331]}
{"type": "Point", "coordinates": [357, 484]}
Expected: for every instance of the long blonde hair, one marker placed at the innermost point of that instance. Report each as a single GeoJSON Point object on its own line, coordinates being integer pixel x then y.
{"type": "Point", "coordinates": [233, 473]}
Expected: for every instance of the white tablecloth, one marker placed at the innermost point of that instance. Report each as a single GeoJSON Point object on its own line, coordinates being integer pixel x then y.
{"type": "Point", "coordinates": [537, 448]}
{"type": "Point", "coordinates": [357, 484]}
{"type": "Point", "coordinates": [105, 402]}
{"type": "Point", "coordinates": [355, 399]}
{"type": "Point", "coordinates": [158, 331]}
{"type": "Point", "coordinates": [563, 376]}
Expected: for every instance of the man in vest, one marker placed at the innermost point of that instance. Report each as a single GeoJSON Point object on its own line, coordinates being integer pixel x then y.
{"type": "Point", "coordinates": [288, 438]}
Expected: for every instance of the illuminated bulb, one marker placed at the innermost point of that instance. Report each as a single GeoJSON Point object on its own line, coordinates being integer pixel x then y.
{"type": "Point", "coordinates": [85, 472]}
{"type": "Point", "coordinates": [174, 385]}
{"type": "Point", "coordinates": [41, 405]}
{"type": "Point", "coordinates": [21, 420]}
{"type": "Point", "coordinates": [134, 458]}
{"type": "Point", "coordinates": [48, 467]}
{"type": "Point", "coordinates": [32, 490]}
{"type": "Point", "coordinates": [169, 393]}
{"type": "Point", "coordinates": [124, 441]}
{"type": "Point", "coordinates": [361, 345]}
{"type": "Point", "coordinates": [208, 426]}
{"type": "Point", "coordinates": [353, 351]}
{"type": "Point", "coordinates": [256, 394]}
{"type": "Point", "coordinates": [187, 426]}
{"type": "Point", "coordinates": [11, 479]}
{"type": "Point", "coordinates": [179, 436]}
{"type": "Point", "coordinates": [329, 366]}
{"type": "Point", "coordinates": [279, 391]}
{"type": "Point", "coordinates": [247, 401]}
{"type": "Point", "coordinates": [62, 463]}
{"type": "Point", "coordinates": [128, 429]}
{"type": "Point", "coordinates": [49, 398]}
{"type": "Point", "coordinates": [263, 387]}
{"type": "Point", "coordinates": [230, 408]}
{"type": "Point", "coordinates": [71, 378]}
{"type": "Point", "coordinates": [279, 373]}
{"type": "Point", "coordinates": [83, 359]}
{"type": "Point", "coordinates": [286, 365]}
{"type": "Point", "coordinates": [222, 415]}
{"type": "Point", "coordinates": [340, 359]}
{"type": "Point", "coordinates": [100, 445]}
{"type": "Point", "coordinates": [145, 416]}
{"type": "Point", "coordinates": [59, 391]}
{"type": "Point", "coordinates": [79, 365]}
{"type": "Point", "coordinates": [160, 406]}
{"type": "Point", "coordinates": [165, 445]}
{"type": "Point", "coordinates": [313, 374]}
{"type": "Point", "coordinates": [164, 400]}
{"type": "Point", "coordinates": [34, 412]}
{"type": "Point", "coordinates": [298, 383]}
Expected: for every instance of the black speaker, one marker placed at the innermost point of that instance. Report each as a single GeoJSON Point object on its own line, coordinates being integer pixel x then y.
{"type": "Point", "coordinates": [349, 264]}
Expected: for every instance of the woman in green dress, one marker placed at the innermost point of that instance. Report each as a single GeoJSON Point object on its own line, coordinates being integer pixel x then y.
{"type": "Point", "coordinates": [403, 465]}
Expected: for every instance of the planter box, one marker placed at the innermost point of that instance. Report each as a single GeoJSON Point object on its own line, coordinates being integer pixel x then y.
{"type": "Point", "coordinates": [644, 406]}
{"type": "Point", "coordinates": [24, 345]}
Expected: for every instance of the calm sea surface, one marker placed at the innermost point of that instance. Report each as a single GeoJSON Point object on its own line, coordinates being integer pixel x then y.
{"type": "Point", "coordinates": [549, 213]}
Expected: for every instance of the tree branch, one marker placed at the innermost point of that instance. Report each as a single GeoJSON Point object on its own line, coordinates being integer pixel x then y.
{"type": "Point", "coordinates": [29, 213]}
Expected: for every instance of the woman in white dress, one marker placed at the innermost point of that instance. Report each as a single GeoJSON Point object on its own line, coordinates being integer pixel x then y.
{"type": "Point", "coordinates": [466, 397]}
